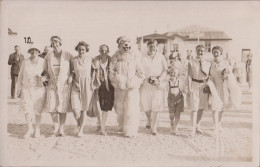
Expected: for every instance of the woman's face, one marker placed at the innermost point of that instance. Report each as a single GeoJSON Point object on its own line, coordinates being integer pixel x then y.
{"type": "Point", "coordinates": [152, 49]}
{"type": "Point", "coordinates": [81, 50]}
{"type": "Point", "coordinates": [56, 45]}
{"type": "Point", "coordinates": [217, 55]}
{"type": "Point", "coordinates": [34, 53]}
{"type": "Point", "coordinates": [103, 50]}
{"type": "Point", "coordinates": [200, 53]}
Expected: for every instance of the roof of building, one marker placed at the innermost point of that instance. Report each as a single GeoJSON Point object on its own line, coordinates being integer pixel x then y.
{"type": "Point", "coordinates": [10, 32]}
{"type": "Point", "coordinates": [192, 32]}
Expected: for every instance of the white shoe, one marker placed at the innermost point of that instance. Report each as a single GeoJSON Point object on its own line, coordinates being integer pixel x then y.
{"type": "Point", "coordinates": [28, 134]}
{"type": "Point", "coordinates": [37, 133]}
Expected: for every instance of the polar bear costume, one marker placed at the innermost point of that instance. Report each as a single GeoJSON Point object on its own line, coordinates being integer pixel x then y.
{"type": "Point", "coordinates": [126, 75]}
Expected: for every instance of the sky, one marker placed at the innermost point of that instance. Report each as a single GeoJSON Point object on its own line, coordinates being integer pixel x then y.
{"type": "Point", "coordinates": [102, 22]}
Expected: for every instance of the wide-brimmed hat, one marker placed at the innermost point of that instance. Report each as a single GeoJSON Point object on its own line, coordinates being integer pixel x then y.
{"type": "Point", "coordinates": [32, 49]}
{"type": "Point", "coordinates": [200, 46]}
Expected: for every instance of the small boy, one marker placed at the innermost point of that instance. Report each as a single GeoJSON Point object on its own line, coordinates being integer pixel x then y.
{"type": "Point", "coordinates": [175, 96]}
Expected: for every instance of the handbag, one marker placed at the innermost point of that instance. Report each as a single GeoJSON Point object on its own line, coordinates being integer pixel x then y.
{"type": "Point", "coordinates": [206, 90]}
{"type": "Point", "coordinates": [94, 108]}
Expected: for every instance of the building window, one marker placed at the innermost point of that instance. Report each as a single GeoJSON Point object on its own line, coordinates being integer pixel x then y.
{"type": "Point", "coordinates": [175, 47]}
{"type": "Point", "coordinates": [208, 46]}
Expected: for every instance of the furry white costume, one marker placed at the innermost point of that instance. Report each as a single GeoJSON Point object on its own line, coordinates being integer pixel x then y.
{"type": "Point", "coordinates": [126, 75]}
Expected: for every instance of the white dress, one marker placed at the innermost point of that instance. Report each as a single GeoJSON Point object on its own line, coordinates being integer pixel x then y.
{"type": "Point", "coordinates": [31, 86]}
{"type": "Point", "coordinates": [152, 97]}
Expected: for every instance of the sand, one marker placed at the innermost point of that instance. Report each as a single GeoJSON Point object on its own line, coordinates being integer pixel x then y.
{"type": "Point", "coordinates": [234, 143]}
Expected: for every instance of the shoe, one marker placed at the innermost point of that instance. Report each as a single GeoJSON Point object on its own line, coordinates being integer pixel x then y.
{"type": "Point", "coordinates": [148, 126]}
{"type": "Point", "coordinates": [154, 132]}
{"type": "Point", "coordinates": [98, 128]}
{"type": "Point", "coordinates": [37, 134]}
{"type": "Point", "coordinates": [55, 129]}
{"type": "Point", "coordinates": [176, 132]}
{"type": "Point", "coordinates": [193, 133]}
{"type": "Point", "coordinates": [76, 130]}
{"type": "Point", "coordinates": [28, 134]}
{"type": "Point", "coordinates": [80, 134]}
{"type": "Point", "coordinates": [199, 130]}
{"type": "Point", "coordinates": [61, 133]}
{"type": "Point", "coordinates": [103, 132]}
{"type": "Point", "coordinates": [12, 97]}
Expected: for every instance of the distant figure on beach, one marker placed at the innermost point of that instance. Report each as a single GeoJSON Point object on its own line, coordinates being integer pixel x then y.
{"type": "Point", "coordinates": [249, 70]}
{"type": "Point", "coordinates": [15, 60]}
{"type": "Point", "coordinates": [45, 51]}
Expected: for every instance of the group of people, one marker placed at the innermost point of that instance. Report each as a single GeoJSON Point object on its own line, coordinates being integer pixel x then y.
{"type": "Point", "coordinates": [58, 83]}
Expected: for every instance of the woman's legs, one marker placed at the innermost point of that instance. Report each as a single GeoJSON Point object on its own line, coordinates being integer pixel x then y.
{"type": "Point", "coordinates": [76, 114]}
{"type": "Point", "coordinates": [62, 118]}
{"type": "Point", "coordinates": [199, 117]}
{"type": "Point", "coordinates": [215, 120]}
{"type": "Point", "coordinates": [103, 122]}
{"type": "Point", "coordinates": [81, 123]}
{"type": "Point", "coordinates": [220, 116]}
{"type": "Point", "coordinates": [55, 119]}
{"type": "Point", "coordinates": [37, 125]}
{"type": "Point", "coordinates": [28, 117]}
{"type": "Point", "coordinates": [177, 115]}
{"type": "Point", "coordinates": [193, 121]}
{"type": "Point", "coordinates": [148, 115]}
{"type": "Point", "coordinates": [155, 116]}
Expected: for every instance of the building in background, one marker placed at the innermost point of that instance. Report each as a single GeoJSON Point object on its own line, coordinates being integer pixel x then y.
{"type": "Point", "coordinates": [185, 40]}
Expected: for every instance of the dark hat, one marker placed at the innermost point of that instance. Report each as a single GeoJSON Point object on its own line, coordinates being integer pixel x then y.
{"type": "Point", "coordinates": [152, 41]}
{"type": "Point", "coordinates": [32, 49]}
{"type": "Point", "coordinates": [200, 46]}
{"type": "Point", "coordinates": [218, 48]}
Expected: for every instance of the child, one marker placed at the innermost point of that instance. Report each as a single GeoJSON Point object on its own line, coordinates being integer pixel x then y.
{"type": "Point", "coordinates": [175, 96]}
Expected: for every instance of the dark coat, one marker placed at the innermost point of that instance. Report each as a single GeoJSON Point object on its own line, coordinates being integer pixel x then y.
{"type": "Point", "coordinates": [16, 61]}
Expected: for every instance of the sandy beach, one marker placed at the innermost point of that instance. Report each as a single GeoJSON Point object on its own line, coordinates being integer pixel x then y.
{"type": "Point", "coordinates": [234, 143]}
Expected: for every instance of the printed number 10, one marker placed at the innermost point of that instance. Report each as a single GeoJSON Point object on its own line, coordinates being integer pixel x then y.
{"type": "Point", "coordinates": [28, 40]}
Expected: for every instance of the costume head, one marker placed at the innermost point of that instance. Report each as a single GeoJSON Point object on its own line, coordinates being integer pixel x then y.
{"type": "Point", "coordinates": [124, 44]}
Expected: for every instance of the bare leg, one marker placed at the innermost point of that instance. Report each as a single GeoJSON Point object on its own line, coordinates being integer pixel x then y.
{"type": "Point", "coordinates": [103, 122]}
{"type": "Point", "coordinates": [155, 116]}
{"type": "Point", "coordinates": [30, 126]}
{"type": "Point", "coordinates": [220, 116]}
{"type": "Point", "coordinates": [37, 125]}
{"type": "Point", "coordinates": [76, 114]}
{"type": "Point", "coordinates": [193, 122]}
{"type": "Point", "coordinates": [148, 115]}
{"type": "Point", "coordinates": [199, 117]}
{"type": "Point", "coordinates": [62, 117]}
{"type": "Point", "coordinates": [215, 118]}
{"type": "Point", "coordinates": [81, 123]}
{"type": "Point", "coordinates": [172, 118]}
{"type": "Point", "coordinates": [55, 119]}
{"type": "Point", "coordinates": [176, 123]}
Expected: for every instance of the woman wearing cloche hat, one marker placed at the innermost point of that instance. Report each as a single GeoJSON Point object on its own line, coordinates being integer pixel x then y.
{"type": "Point", "coordinates": [31, 90]}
